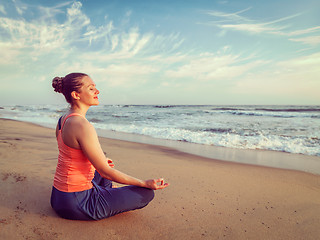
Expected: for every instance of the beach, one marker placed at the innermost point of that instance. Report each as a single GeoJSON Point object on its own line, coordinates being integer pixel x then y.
{"type": "Point", "coordinates": [206, 199]}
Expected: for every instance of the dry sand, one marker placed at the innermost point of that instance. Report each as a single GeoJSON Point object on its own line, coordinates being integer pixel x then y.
{"type": "Point", "coordinates": [207, 199]}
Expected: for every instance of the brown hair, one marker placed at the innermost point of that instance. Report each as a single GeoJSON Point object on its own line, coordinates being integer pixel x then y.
{"type": "Point", "coordinates": [66, 85]}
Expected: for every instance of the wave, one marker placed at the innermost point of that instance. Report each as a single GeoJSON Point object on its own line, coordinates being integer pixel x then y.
{"type": "Point", "coordinates": [164, 106]}
{"type": "Point", "coordinates": [95, 120]}
{"type": "Point", "coordinates": [118, 116]}
{"type": "Point", "coordinates": [281, 128]}
{"type": "Point", "coordinates": [289, 109]}
{"type": "Point", "coordinates": [218, 130]}
{"type": "Point", "coordinates": [225, 109]}
{"type": "Point", "coordinates": [272, 108]}
{"type": "Point", "coordinates": [272, 111]}
{"type": "Point", "coordinates": [178, 106]}
{"type": "Point", "coordinates": [227, 137]}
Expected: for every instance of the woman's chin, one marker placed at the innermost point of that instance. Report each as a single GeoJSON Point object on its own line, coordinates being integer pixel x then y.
{"type": "Point", "coordinates": [96, 102]}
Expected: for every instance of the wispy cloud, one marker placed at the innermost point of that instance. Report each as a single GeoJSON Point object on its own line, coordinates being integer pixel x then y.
{"type": "Point", "coordinates": [44, 41]}
{"type": "Point", "coordinates": [44, 35]}
{"type": "Point", "coordinates": [2, 10]}
{"type": "Point", "coordinates": [229, 16]}
{"type": "Point", "coordinates": [20, 7]}
{"type": "Point", "coordinates": [312, 40]}
{"type": "Point", "coordinates": [75, 31]}
{"type": "Point", "coordinates": [297, 77]}
{"type": "Point", "coordinates": [304, 31]}
{"type": "Point", "coordinates": [115, 55]}
{"type": "Point", "coordinates": [48, 13]}
{"type": "Point", "coordinates": [236, 22]}
{"type": "Point", "coordinates": [253, 28]}
{"type": "Point", "coordinates": [213, 67]}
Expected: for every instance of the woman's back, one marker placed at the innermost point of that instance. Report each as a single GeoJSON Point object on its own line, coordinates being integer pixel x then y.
{"type": "Point", "coordinates": [74, 171]}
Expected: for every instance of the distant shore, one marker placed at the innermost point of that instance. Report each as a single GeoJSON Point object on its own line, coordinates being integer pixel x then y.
{"type": "Point", "coordinates": [207, 199]}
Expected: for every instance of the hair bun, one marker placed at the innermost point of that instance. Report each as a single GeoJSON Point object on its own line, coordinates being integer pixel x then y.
{"type": "Point", "coordinates": [57, 84]}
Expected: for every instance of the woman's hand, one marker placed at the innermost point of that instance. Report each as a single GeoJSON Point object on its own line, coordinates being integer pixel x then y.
{"type": "Point", "coordinates": [156, 184]}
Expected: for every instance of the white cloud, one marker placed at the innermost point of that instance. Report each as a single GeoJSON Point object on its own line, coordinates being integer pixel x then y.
{"type": "Point", "coordinates": [9, 54]}
{"type": "Point", "coordinates": [211, 67]}
{"type": "Point", "coordinates": [26, 35]}
{"type": "Point", "coordinates": [50, 36]}
{"type": "Point", "coordinates": [48, 13]}
{"type": "Point", "coordinates": [233, 21]}
{"type": "Point", "coordinates": [167, 43]}
{"type": "Point", "coordinates": [129, 69]}
{"type": "Point", "coordinates": [311, 40]}
{"type": "Point", "coordinates": [122, 74]}
{"type": "Point", "coordinates": [252, 27]}
{"type": "Point", "coordinates": [2, 9]}
{"type": "Point", "coordinates": [129, 40]}
{"type": "Point", "coordinates": [42, 35]}
{"type": "Point", "coordinates": [293, 79]}
{"type": "Point", "coordinates": [229, 16]}
{"type": "Point", "coordinates": [20, 7]}
{"type": "Point", "coordinates": [168, 59]}
{"type": "Point", "coordinates": [305, 64]}
{"type": "Point", "coordinates": [64, 39]}
{"type": "Point", "coordinates": [142, 43]}
{"type": "Point", "coordinates": [102, 32]}
{"type": "Point", "coordinates": [76, 17]}
{"type": "Point", "coordinates": [128, 13]}
{"type": "Point", "coordinates": [114, 41]}
{"type": "Point", "coordinates": [304, 31]}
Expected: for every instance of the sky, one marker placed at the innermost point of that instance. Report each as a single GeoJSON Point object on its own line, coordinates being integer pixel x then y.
{"type": "Point", "coordinates": [163, 52]}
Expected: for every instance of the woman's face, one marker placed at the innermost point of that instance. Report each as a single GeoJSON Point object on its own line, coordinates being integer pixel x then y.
{"type": "Point", "coordinates": [89, 93]}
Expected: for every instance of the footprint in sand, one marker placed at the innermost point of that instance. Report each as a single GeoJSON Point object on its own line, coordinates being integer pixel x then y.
{"type": "Point", "coordinates": [16, 176]}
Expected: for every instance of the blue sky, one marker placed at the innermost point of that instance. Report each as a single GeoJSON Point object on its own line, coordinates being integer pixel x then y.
{"type": "Point", "coordinates": [163, 52]}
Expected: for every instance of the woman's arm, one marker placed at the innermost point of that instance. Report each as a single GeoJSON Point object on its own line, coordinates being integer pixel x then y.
{"type": "Point", "coordinates": [90, 145]}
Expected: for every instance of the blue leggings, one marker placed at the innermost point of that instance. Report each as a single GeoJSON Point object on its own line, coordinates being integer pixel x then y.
{"type": "Point", "coordinates": [101, 201]}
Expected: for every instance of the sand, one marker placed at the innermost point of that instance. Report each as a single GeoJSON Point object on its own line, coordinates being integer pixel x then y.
{"type": "Point", "coordinates": [207, 199]}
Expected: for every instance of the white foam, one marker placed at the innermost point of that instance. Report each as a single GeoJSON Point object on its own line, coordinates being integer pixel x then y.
{"type": "Point", "coordinates": [294, 131]}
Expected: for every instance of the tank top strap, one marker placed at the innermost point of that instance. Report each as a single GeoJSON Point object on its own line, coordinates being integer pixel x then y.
{"type": "Point", "coordinates": [70, 115]}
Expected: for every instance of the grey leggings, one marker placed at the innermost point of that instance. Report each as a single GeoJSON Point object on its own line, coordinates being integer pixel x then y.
{"type": "Point", "coordinates": [101, 201]}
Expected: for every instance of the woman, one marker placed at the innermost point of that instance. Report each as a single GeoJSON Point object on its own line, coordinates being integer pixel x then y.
{"type": "Point", "coordinates": [82, 187]}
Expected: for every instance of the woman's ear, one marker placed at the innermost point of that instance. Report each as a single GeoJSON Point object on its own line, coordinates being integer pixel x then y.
{"type": "Point", "coordinates": [75, 95]}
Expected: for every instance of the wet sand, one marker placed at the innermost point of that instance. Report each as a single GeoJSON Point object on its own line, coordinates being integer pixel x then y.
{"type": "Point", "coordinates": [207, 199]}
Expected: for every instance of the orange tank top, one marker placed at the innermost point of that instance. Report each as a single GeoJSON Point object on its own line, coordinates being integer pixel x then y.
{"type": "Point", "coordinates": [74, 171]}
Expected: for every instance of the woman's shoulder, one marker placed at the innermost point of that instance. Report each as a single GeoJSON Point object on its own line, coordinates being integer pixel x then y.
{"type": "Point", "coordinates": [78, 127]}
{"type": "Point", "coordinates": [77, 121]}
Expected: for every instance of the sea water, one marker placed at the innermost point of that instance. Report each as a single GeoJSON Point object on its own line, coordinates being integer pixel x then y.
{"type": "Point", "coordinates": [291, 129]}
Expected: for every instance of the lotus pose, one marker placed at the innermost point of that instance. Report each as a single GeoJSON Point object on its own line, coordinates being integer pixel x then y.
{"type": "Point", "coordinates": [82, 187]}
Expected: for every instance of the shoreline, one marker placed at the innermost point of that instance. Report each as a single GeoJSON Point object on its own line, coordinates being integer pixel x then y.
{"type": "Point", "coordinates": [256, 157]}
{"type": "Point", "coordinates": [206, 199]}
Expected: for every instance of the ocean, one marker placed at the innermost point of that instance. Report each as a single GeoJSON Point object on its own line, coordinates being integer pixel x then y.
{"type": "Point", "coordinates": [291, 129]}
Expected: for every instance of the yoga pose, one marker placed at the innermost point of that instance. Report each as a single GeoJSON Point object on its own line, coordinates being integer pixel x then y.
{"type": "Point", "coordinates": [82, 187]}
